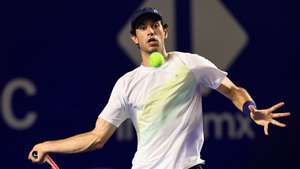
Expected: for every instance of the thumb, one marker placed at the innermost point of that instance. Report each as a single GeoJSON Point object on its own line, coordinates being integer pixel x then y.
{"type": "Point", "coordinates": [38, 156]}
{"type": "Point", "coordinates": [252, 108]}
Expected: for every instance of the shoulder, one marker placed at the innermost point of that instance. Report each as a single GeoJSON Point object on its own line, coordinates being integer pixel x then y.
{"type": "Point", "coordinates": [189, 58]}
{"type": "Point", "coordinates": [185, 55]}
{"type": "Point", "coordinates": [179, 54]}
{"type": "Point", "coordinates": [127, 77]}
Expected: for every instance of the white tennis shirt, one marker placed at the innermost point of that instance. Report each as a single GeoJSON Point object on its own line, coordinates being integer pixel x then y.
{"type": "Point", "coordinates": [165, 106]}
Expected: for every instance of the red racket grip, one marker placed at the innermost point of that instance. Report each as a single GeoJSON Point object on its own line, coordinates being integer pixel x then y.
{"type": "Point", "coordinates": [48, 159]}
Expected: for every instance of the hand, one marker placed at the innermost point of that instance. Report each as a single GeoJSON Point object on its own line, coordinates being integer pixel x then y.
{"type": "Point", "coordinates": [40, 149]}
{"type": "Point", "coordinates": [264, 117]}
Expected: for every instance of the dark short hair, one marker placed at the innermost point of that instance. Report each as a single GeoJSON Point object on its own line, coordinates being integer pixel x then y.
{"type": "Point", "coordinates": [143, 14]}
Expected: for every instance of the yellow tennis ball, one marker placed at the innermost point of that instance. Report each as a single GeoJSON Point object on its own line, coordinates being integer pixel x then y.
{"type": "Point", "coordinates": [156, 59]}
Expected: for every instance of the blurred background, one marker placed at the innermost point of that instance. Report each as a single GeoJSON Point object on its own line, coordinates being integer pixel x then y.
{"type": "Point", "coordinates": [60, 59]}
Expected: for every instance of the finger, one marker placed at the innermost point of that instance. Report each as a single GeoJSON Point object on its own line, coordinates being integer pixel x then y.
{"type": "Point", "coordinates": [277, 106]}
{"type": "Point", "coordinates": [39, 158]}
{"type": "Point", "coordinates": [277, 115]}
{"type": "Point", "coordinates": [30, 155]}
{"type": "Point", "coordinates": [35, 158]}
{"type": "Point", "coordinates": [266, 129]}
{"type": "Point", "coordinates": [35, 154]}
{"type": "Point", "coordinates": [251, 108]}
{"type": "Point", "coordinates": [277, 123]}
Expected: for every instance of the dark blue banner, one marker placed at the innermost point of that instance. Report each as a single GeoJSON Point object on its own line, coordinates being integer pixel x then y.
{"type": "Point", "coordinates": [60, 60]}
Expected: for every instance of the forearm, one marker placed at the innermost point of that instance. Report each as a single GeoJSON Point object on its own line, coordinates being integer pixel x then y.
{"type": "Point", "coordinates": [239, 96]}
{"type": "Point", "coordinates": [79, 143]}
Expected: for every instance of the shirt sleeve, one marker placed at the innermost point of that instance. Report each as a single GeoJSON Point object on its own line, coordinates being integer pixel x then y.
{"type": "Point", "coordinates": [115, 110]}
{"type": "Point", "coordinates": [204, 70]}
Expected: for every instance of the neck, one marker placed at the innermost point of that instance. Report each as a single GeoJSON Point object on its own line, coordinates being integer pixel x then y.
{"type": "Point", "coordinates": [145, 57]}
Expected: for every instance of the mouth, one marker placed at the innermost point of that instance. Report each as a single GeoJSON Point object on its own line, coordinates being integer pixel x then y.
{"type": "Point", "coordinates": [151, 40]}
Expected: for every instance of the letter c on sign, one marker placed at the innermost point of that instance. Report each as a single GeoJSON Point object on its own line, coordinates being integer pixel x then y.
{"type": "Point", "coordinates": [7, 110]}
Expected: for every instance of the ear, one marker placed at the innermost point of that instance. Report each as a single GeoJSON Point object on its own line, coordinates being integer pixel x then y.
{"type": "Point", "coordinates": [166, 32]}
{"type": "Point", "coordinates": [134, 39]}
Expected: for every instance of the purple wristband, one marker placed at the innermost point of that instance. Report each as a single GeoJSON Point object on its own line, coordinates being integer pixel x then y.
{"type": "Point", "coordinates": [246, 105]}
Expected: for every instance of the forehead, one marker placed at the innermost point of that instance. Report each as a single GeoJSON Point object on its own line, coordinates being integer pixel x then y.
{"type": "Point", "coordinates": [148, 22]}
{"type": "Point", "coordinates": [146, 19]}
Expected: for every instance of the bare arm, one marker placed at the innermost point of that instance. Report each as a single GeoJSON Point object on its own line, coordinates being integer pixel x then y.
{"type": "Point", "coordinates": [94, 139]}
{"type": "Point", "coordinates": [239, 96]}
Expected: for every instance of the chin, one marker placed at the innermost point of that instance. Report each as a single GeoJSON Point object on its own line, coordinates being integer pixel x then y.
{"type": "Point", "coordinates": [153, 49]}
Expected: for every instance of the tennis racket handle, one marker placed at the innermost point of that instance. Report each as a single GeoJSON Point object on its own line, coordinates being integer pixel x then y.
{"type": "Point", "coordinates": [48, 160]}
{"type": "Point", "coordinates": [35, 155]}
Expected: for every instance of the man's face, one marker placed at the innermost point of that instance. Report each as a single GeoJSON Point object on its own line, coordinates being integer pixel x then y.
{"type": "Point", "coordinates": [150, 36]}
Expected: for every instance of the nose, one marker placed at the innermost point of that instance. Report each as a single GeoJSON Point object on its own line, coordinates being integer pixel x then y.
{"type": "Point", "coordinates": [150, 30]}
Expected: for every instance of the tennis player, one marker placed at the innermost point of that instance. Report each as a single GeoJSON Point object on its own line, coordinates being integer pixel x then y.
{"type": "Point", "coordinates": [164, 104]}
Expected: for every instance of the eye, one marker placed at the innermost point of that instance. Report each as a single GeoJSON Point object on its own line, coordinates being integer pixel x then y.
{"type": "Point", "coordinates": [142, 27]}
{"type": "Point", "coordinates": [156, 25]}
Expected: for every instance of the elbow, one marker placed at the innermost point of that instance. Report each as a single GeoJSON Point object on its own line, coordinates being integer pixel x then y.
{"type": "Point", "coordinates": [99, 146]}
{"type": "Point", "coordinates": [99, 142]}
{"type": "Point", "coordinates": [94, 145]}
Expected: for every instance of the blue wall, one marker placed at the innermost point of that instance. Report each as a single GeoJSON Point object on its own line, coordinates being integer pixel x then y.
{"type": "Point", "coordinates": [67, 52]}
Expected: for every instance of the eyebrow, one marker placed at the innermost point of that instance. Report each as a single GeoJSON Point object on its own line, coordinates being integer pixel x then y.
{"type": "Point", "coordinates": [154, 20]}
{"type": "Point", "coordinates": [144, 23]}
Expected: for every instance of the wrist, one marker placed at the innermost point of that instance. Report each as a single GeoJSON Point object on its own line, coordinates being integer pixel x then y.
{"type": "Point", "coordinates": [46, 147]}
{"type": "Point", "coordinates": [246, 105]}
